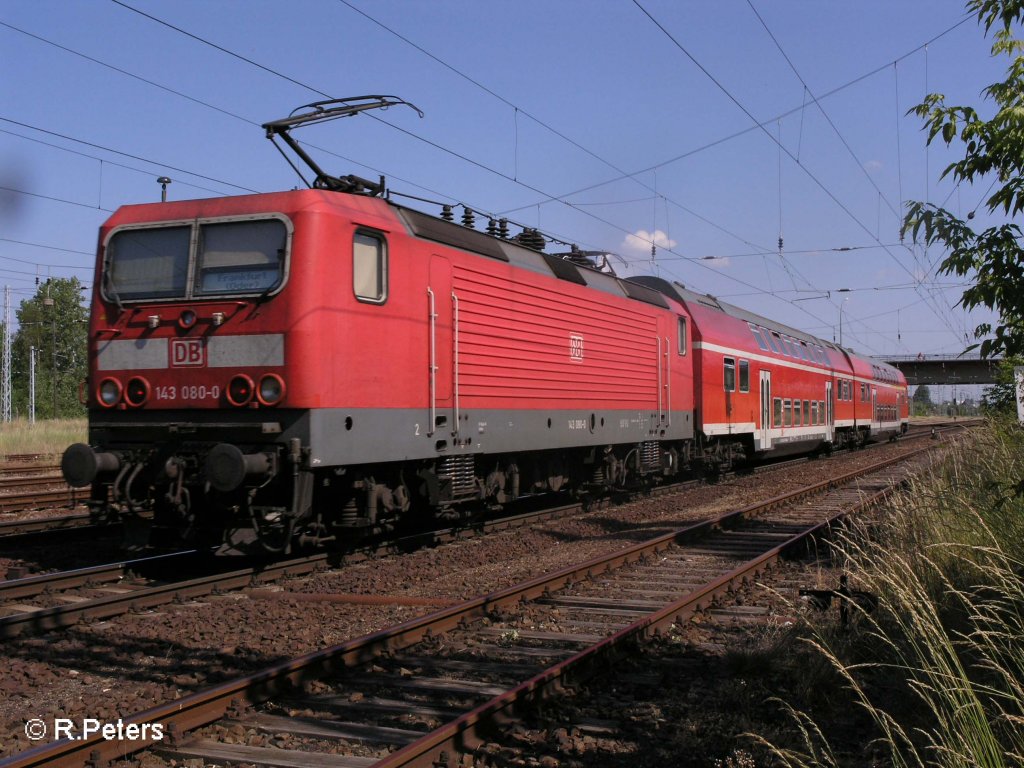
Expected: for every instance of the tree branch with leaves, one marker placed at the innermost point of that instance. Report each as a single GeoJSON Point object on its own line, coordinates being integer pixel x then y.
{"type": "Point", "coordinates": [993, 257]}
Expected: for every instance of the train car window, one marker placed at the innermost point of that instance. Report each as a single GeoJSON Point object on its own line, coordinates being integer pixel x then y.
{"type": "Point", "coordinates": [787, 408]}
{"type": "Point", "coordinates": [757, 337]}
{"type": "Point", "coordinates": [240, 257]}
{"type": "Point", "coordinates": [821, 411]}
{"type": "Point", "coordinates": [805, 352]}
{"type": "Point", "coordinates": [682, 336]}
{"type": "Point", "coordinates": [796, 414]}
{"type": "Point", "coordinates": [814, 411]}
{"type": "Point", "coordinates": [778, 412]}
{"type": "Point", "coordinates": [744, 376]}
{"type": "Point", "coordinates": [777, 343]}
{"type": "Point", "coordinates": [149, 263]}
{"type": "Point", "coordinates": [729, 365]}
{"type": "Point", "coordinates": [369, 267]}
{"type": "Point", "coordinates": [771, 342]}
{"type": "Point", "coordinates": [807, 412]}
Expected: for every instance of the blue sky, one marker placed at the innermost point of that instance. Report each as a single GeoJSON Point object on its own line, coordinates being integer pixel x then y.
{"type": "Point", "coordinates": [607, 123]}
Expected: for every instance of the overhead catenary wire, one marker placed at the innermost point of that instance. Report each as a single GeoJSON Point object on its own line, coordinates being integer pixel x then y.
{"type": "Point", "coordinates": [942, 318]}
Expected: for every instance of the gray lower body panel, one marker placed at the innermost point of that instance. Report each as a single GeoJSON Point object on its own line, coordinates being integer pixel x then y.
{"type": "Point", "coordinates": [346, 437]}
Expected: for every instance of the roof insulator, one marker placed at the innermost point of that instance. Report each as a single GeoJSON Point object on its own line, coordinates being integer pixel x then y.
{"type": "Point", "coordinates": [468, 219]}
{"type": "Point", "coordinates": [446, 213]}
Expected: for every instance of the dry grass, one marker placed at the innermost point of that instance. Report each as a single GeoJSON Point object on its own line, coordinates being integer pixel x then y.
{"type": "Point", "coordinates": [49, 437]}
{"type": "Point", "coordinates": [939, 666]}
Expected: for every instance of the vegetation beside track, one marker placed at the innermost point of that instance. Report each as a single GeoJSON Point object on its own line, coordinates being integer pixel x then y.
{"type": "Point", "coordinates": [936, 672]}
{"type": "Point", "coordinates": [45, 437]}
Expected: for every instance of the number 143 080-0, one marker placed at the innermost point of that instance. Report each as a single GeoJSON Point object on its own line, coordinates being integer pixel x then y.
{"type": "Point", "coordinates": [188, 392]}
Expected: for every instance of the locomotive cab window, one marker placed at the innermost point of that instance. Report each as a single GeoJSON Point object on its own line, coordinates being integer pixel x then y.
{"type": "Point", "coordinates": [147, 263]}
{"type": "Point", "coordinates": [240, 257]}
{"type": "Point", "coordinates": [682, 335]}
{"type": "Point", "coordinates": [196, 259]}
{"type": "Point", "coordinates": [369, 267]}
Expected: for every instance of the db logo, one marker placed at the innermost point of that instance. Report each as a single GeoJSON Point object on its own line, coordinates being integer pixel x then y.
{"type": "Point", "coordinates": [188, 353]}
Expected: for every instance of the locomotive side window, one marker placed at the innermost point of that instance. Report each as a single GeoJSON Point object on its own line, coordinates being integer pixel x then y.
{"type": "Point", "coordinates": [147, 263]}
{"type": "Point", "coordinates": [369, 267]}
{"type": "Point", "coordinates": [682, 335]}
{"type": "Point", "coordinates": [240, 257]}
{"type": "Point", "coordinates": [730, 374]}
{"type": "Point", "coordinates": [744, 376]}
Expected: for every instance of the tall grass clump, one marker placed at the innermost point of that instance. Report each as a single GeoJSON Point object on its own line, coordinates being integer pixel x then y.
{"type": "Point", "coordinates": [48, 437]}
{"type": "Point", "coordinates": [938, 667]}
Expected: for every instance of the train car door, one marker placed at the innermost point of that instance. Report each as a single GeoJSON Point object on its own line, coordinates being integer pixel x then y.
{"type": "Point", "coordinates": [766, 410]}
{"type": "Point", "coordinates": [829, 412]}
{"type": "Point", "coordinates": [441, 365]}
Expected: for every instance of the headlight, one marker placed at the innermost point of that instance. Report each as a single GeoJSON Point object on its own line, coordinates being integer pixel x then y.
{"type": "Point", "coordinates": [271, 389]}
{"type": "Point", "coordinates": [108, 393]}
{"type": "Point", "coordinates": [240, 390]}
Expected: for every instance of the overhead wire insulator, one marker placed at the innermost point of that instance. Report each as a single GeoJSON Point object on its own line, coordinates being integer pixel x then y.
{"type": "Point", "coordinates": [446, 213]}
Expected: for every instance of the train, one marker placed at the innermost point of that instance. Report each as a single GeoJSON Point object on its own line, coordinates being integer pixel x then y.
{"type": "Point", "coordinates": [312, 367]}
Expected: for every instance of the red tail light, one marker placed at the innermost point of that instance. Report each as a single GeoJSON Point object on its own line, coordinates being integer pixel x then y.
{"type": "Point", "coordinates": [137, 392]}
{"type": "Point", "coordinates": [240, 390]}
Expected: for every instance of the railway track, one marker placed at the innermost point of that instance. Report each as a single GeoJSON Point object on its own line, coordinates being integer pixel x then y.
{"type": "Point", "coordinates": [436, 687]}
{"type": "Point", "coordinates": [47, 602]}
{"type": "Point", "coordinates": [31, 486]}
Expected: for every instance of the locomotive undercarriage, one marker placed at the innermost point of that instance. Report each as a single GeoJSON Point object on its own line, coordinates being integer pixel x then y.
{"type": "Point", "coordinates": [266, 498]}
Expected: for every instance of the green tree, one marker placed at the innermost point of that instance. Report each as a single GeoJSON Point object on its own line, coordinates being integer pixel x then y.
{"type": "Point", "coordinates": [922, 400]}
{"type": "Point", "coordinates": [993, 148]}
{"type": "Point", "coordinates": [1001, 397]}
{"type": "Point", "coordinates": [55, 323]}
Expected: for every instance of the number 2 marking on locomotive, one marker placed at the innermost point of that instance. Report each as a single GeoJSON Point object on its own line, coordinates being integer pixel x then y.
{"type": "Point", "coordinates": [417, 429]}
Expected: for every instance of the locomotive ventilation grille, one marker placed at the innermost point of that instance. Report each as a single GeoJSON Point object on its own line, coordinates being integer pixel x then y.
{"type": "Point", "coordinates": [460, 470]}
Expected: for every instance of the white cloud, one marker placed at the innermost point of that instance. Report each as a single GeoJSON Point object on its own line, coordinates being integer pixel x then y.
{"type": "Point", "coordinates": [640, 241]}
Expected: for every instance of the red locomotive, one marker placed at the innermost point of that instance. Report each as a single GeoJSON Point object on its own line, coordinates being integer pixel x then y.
{"type": "Point", "coordinates": [311, 366]}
